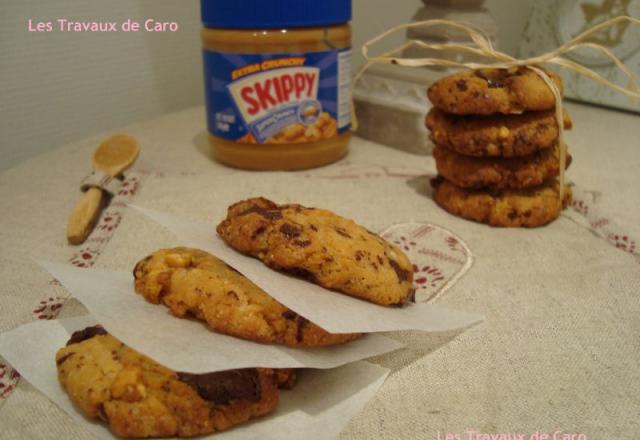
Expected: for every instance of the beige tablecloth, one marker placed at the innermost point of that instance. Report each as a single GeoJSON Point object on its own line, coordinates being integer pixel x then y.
{"type": "Point", "coordinates": [560, 346]}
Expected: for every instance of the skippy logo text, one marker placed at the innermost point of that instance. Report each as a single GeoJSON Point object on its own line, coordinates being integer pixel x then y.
{"type": "Point", "coordinates": [259, 94]}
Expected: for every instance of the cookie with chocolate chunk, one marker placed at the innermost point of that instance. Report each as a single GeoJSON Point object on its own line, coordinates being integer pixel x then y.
{"type": "Point", "coordinates": [320, 246]}
{"type": "Point", "coordinates": [491, 91]}
{"type": "Point", "coordinates": [191, 282]}
{"type": "Point", "coordinates": [137, 397]}
{"type": "Point", "coordinates": [498, 173]}
{"type": "Point", "coordinates": [514, 208]}
{"type": "Point", "coordinates": [497, 135]}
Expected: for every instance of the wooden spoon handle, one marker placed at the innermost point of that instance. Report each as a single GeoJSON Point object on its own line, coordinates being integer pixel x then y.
{"type": "Point", "coordinates": [84, 216]}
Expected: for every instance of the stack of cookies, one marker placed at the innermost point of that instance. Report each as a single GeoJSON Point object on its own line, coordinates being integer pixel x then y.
{"type": "Point", "coordinates": [138, 397]}
{"type": "Point", "coordinates": [497, 150]}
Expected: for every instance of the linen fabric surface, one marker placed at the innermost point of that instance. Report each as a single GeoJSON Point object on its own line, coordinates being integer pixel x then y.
{"type": "Point", "coordinates": [560, 345]}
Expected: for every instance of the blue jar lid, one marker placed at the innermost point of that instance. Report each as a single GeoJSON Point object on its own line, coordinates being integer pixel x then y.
{"type": "Point", "coordinates": [274, 14]}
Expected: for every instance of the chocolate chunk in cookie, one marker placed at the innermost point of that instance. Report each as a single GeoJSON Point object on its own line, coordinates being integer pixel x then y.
{"type": "Point", "coordinates": [87, 333]}
{"type": "Point", "coordinates": [224, 386]}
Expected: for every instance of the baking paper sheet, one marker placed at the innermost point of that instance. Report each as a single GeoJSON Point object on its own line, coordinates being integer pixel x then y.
{"type": "Point", "coordinates": [319, 406]}
{"type": "Point", "coordinates": [335, 312]}
{"type": "Point", "coordinates": [187, 344]}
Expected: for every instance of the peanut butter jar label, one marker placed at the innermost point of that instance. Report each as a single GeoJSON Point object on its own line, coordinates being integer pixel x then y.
{"type": "Point", "coordinates": [278, 98]}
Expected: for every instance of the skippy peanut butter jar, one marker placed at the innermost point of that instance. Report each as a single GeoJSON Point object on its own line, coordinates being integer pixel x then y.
{"type": "Point", "coordinates": [277, 81]}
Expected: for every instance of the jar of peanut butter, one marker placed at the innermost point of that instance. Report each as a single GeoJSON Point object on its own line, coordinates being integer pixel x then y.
{"type": "Point", "coordinates": [277, 81]}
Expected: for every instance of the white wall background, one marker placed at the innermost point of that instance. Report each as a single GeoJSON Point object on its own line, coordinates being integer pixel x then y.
{"type": "Point", "coordinates": [59, 87]}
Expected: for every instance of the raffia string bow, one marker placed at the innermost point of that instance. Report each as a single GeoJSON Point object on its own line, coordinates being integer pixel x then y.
{"type": "Point", "coordinates": [482, 46]}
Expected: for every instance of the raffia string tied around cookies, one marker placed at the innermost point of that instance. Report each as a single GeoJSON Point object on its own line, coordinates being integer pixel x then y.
{"type": "Point", "coordinates": [481, 45]}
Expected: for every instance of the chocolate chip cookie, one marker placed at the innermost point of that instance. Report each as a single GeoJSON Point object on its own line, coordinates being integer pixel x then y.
{"type": "Point", "coordinates": [491, 91]}
{"type": "Point", "coordinates": [191, 282]}
{"type": "Point", "coordinates": [497, 135]}
{"type": "Point", "coordinates": [514, 208]}
{"type": "Point", "coordinates": [321, 247]}
{"type": "Point", "coordinates": [498, 173]}
{"type": "Point", "coordinates": [139, 398]}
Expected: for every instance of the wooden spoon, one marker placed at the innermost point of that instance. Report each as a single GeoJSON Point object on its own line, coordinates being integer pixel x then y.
{"type": "Point", "coordinates": [113, 156]}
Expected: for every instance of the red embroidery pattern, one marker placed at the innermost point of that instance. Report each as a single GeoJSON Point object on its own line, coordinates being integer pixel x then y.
{"type": "Point", "coordinates": [585, 203]}
{"type": "Point", "coordinates": [129, 187]}
{"type": "Point", "coordinates": [439, 257]}
{"type": "Point", "coordinates": [111, 221]}
{"type": "Point", "coordinates": [580, 206]}
{"type": "Point", "coordinates": [427, 275]}
{"type": "Point", "coordinates": [622, 242]}
{"type": "Point", "coordinates": [8, 379]}
{"type": "Point", "coordinates": [404, 243]}
{"type": "Point", "coordinates": [49, 307]}
{"type": "Point", "coordinates": [85, 257]}
{"type": "Point", "coordinates": [444, 256]}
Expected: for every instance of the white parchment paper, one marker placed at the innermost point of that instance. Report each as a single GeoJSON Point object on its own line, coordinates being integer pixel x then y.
{"type": "Point", "coordinates": [335, 312]}
{"type": "Point", "coordinates": [190, 345]}
{"type": "Point", "coordinates": [318, 407]}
